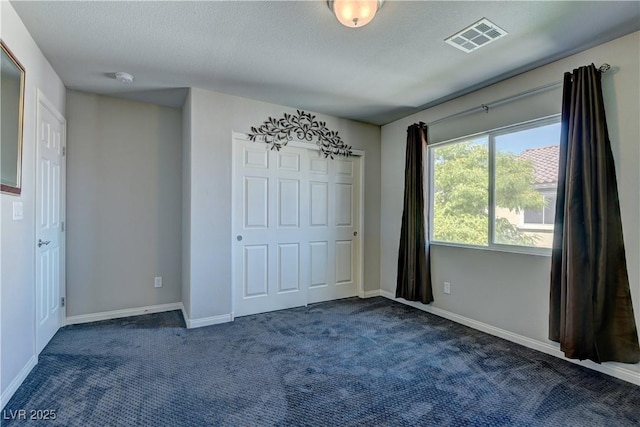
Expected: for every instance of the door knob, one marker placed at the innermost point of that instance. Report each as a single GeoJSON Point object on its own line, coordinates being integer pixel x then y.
{"type": "Point", "coordinates": [355, 233]}
{"type": "Point", "coordinates": [238, 238]}
{"type": "Point", "coordinates": [42, 242]}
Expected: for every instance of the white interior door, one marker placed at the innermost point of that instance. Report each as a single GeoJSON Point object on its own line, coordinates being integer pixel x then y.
{"type": "Point", "coordinates": [295, 223]}
{"type": "Point", "coordinates": [50, 182]}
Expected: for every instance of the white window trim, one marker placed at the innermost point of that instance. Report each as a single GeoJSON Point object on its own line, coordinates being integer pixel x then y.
{"type": "Point", "coordinates": [513, 249]}
{"type": "Point", "coordinates": [525, 226]}
{"type": "Point", "coordinates": [490, 134]}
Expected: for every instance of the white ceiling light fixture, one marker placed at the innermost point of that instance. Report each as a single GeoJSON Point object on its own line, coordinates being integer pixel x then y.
{"type": "Point", "coordinates": [355, 13]}
{"type": "Point", "coordinates": [124, 77]}
{"type": "Point", "coordinates": [476, 35]}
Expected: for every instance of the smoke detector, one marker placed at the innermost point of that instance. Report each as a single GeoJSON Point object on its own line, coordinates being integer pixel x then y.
{"type": "Point", "coordinates": [476, 35]}
{"type": "Point", "coordinates": [124, 77]}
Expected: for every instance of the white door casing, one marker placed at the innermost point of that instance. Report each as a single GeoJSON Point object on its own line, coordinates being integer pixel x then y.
{"type": "Point", "coordinates": [295, 218]}
{"type": "Point", "coordinates": [50, 204]}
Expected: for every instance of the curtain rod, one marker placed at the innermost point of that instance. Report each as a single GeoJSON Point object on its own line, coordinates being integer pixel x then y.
{"type": "Point", "coordinates": [603, 69]}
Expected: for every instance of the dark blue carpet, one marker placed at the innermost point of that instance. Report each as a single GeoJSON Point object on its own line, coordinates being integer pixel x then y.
{"type": "Point", "coordinates": [351, 362]}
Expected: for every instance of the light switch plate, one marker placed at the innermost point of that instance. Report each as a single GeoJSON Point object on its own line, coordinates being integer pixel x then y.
{"type": "Point", "coordinates": [157, 282]}
{"type": "Point", "coordinates": [18, 211]}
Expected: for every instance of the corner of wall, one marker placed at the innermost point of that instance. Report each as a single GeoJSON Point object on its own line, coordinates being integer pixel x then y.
{"type": "Point", "coordinates": [186, 206]}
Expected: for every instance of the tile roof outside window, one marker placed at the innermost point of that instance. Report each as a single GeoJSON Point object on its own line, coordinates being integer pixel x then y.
{"type": "Point", "coordinates": [545, 163]}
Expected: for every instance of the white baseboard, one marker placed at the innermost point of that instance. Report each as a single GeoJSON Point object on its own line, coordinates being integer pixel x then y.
{"type": "Point", "coordinates": [629, 373]}
{"type": "Point", "coordinates": [369, 294]}
{"type": "Point", "coordinates": [116, 314]}
{"type": "Point", "coordinates": [17, 381]}
{"type": "Point", "coordinates": [206, 321]}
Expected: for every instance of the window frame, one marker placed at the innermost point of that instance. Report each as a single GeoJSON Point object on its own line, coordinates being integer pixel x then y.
{"type": "Point", "coordinates": [491, 146]}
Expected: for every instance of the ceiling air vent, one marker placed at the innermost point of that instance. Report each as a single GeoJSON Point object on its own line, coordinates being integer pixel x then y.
{"type": "Point", "coordinates": [476, 36]}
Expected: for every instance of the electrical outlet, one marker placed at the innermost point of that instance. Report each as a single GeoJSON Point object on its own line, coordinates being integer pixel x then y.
{"type": "Point", "coordinates": [447, 288]}
{"type": "Point", "coordinates": [157, 283]}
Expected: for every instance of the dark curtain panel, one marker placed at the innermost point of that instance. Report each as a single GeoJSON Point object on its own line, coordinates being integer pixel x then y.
{"type": "Point", "coordinates": [414, 269]}
{"type": "Point", "coordinates": [591, 314]}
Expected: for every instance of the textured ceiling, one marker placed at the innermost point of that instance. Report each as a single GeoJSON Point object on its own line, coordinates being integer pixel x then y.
{"type": "Point", "coordinates": [295, 53]}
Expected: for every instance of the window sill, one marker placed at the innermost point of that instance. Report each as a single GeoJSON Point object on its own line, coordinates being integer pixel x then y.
{"type": "Point", "coordinates": [544, 252]}
{"type": "Point", "coordinates": [536, 227]}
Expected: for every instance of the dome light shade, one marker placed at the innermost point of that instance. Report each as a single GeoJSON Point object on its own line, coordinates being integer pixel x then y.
{"type": "Point", "coordinates": [355, 13]}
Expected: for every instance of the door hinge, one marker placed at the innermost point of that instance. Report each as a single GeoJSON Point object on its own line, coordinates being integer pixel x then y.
{"type": "Point", "coordinates": [64, 151]}
{"type": "Point", "coordinates": [62, 225]}
{"type": "Point", "coordinates": [62, 302]}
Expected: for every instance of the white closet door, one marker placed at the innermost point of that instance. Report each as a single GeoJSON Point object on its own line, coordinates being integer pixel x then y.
{"type": "Point", "coordinates": [333, 227]}
{"type": "Point", "coordinates": [294, 219]}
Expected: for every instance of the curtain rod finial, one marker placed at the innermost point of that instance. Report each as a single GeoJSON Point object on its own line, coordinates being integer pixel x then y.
{"type": "Point", "coordinates": [604, 68]}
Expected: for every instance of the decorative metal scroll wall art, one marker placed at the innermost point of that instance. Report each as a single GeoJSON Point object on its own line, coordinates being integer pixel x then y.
{"type": "Point", "coordinates": [304, 127]}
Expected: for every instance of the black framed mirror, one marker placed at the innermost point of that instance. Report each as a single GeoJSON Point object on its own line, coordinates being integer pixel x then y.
{"type": "Point", "coordinates": [11, 120]}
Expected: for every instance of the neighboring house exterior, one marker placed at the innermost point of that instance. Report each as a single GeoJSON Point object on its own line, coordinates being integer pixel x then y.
{"type": "Point", "coordinates": [539, 222]}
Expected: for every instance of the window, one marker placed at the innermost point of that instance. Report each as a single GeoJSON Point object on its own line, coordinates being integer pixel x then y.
{"type": "Point", "coordinates": [460, 196]}
{"type": "Point", "coordinates": [497, 189]}
{"type": "Point", "coordinates": [544, 215]}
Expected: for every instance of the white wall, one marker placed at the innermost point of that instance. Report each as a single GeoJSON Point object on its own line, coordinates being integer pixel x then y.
{"type": "Point", "coordinates": [17, 317]}
{"type": "Point", "coordinates": [511, 291]}
{"type": "Point", "coordinates": [124, 197]}
{"type": "Point", "coordinates": [214, 117]}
